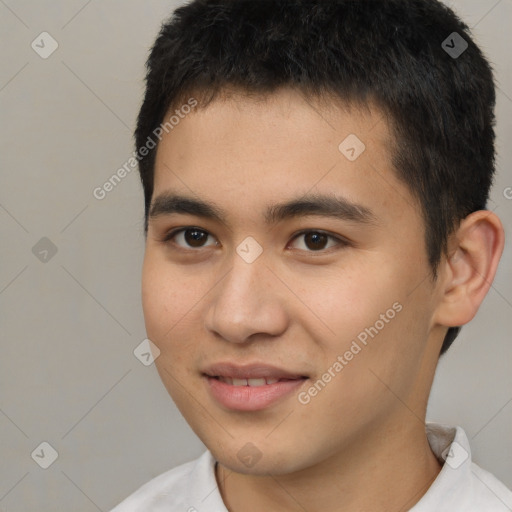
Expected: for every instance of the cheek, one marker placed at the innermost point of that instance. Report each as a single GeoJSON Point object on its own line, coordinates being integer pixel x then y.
{"type": "Point", "coordinates": [347, 300]}
{"type": "Point", "coordinates": [368, 314]}
{"type": "Point", "coordinates": [168, 299]}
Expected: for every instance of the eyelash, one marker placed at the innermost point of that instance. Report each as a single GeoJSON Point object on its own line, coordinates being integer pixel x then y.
{"type": "Point", "coordinates": [341, 242]}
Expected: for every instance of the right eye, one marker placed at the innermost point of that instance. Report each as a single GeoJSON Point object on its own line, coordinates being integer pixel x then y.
{"type": "Point", "coordinates": [189, 238]}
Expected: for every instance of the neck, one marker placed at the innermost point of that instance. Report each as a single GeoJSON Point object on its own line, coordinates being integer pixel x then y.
{"type": "Point", "coordinates": [386, 469]}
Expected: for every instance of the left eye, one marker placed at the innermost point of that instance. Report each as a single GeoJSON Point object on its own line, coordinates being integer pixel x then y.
{"type": "Point", "coordinates": [314, 241]}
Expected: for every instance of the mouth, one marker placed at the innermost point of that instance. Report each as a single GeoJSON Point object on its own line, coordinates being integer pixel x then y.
{"type": "Point", "coordinates": [254, 382]}
{"type": "Point", "coordinates": [250, 387]}
{"type": "Point", "coordinates": [250, 372]}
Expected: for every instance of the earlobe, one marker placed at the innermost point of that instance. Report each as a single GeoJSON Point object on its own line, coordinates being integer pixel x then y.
{"type": "Point", "coordinates": [474, 252]}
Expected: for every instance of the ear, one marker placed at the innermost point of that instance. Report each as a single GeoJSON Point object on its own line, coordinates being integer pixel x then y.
{"type": "Point", "coordinates": [474, 251]}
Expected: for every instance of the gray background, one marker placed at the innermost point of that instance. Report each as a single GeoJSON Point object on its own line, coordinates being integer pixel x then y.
{"type": "Point", "coordinates": [70, 324]}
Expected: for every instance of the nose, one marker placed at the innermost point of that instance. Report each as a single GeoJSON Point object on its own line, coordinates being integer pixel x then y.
{"type": "Point", "coordinates": [247, 302]}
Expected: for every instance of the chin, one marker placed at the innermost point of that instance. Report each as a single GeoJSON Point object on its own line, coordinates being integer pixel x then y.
{"type": "Point", "coordinates": [258, 458]}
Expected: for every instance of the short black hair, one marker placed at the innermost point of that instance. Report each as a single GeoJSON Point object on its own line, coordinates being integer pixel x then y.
{"type": "Point", "coordinates": [414, 59]}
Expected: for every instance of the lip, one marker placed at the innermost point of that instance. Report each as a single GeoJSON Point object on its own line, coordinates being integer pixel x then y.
{"type": "Point", "coordinates": [250, 398]}
{"type": "Point", "coordinates": [250, 371]}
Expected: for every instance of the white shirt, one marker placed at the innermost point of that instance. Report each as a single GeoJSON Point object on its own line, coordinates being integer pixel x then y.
{"type": "Point", "coordinates": [461, 485]}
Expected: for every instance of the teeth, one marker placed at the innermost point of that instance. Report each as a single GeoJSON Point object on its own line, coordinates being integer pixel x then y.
{"type": "Point", "coordinates": [248, 382]}
{"type": "Point", "coordinates": [256, 382]}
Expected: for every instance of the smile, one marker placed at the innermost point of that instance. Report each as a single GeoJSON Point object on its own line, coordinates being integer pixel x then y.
{"type": "Point", "coordinates": [252, 394]}
{"type": "Point", "coordinates": [249, 382]}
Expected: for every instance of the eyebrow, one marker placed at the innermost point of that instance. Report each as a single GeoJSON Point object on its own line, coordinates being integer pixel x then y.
{"type": "Point", "coordinates": [313, 204]}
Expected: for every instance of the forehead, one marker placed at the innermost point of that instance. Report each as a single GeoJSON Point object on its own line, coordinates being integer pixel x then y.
{"type": "Point", "coordinates": [248, 152]}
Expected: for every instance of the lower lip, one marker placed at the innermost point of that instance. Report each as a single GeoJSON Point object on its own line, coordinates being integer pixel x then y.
{"type": "Point", "coordinates": [251, 398]}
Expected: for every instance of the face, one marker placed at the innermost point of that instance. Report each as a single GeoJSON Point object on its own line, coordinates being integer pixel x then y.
{"type": "Point", "coordinates": [323, 306]}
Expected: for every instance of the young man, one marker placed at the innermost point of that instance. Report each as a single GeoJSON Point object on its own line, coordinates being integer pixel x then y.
{"type": "Point", "coordinates": [315, 177]}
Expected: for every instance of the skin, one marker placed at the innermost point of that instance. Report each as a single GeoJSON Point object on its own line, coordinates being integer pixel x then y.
{"type": "Point", "coordinates": [360, 443]}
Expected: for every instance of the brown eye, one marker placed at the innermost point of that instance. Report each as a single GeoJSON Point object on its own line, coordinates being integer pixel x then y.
{"type": "Point", "coordinates": [189, 238]}
{"type": "Point", "coordinates": [195, 237]}
{"type": "Point", "coordinates": [315, 241]}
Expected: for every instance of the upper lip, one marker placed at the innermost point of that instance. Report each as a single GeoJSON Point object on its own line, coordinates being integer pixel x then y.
{"type": "Point", "coordinates": [250, 371]}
